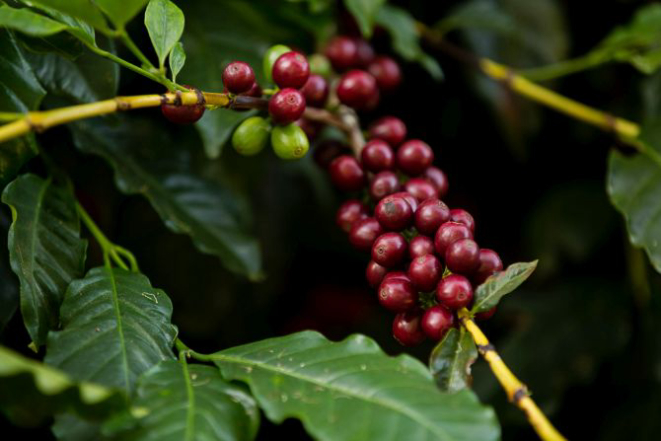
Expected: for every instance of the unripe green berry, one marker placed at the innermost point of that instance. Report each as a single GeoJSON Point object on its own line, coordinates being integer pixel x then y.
{"type": "Point", "coordinates": [320, 65]}
{"type": "Point", "coordinates": [251, 136]}
{"type": "Point", "coordinates": [289, 142]}
{"type": "Point", "coordinates": [272, 54]}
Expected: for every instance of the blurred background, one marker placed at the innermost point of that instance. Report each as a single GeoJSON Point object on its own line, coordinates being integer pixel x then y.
{"type": "Point", "coordinates": [584, 333]}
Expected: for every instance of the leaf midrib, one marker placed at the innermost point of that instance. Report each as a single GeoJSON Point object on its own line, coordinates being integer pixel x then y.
{"type": "Point", "coordinates": [190, 409]}
{"type": "Point", "coordinates": [120, 329]}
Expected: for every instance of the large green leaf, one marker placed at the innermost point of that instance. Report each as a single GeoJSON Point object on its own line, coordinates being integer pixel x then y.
{"type": "Point", "coordinates": [19, 92]}
{"type": "Point", "coordinates": [77, 27]}
{"type": "Point", "coordinates": [192, 402]}
{"type": "Point", "coordinates": [28, 22]}
{"type": "Point", "coordinates": [165, 24]}
{"type": "Point", "coordinates": [120, 12]}
{"type": "Point", "coordinates": [495, 287]}
{"type": "Point", "coordinates": [81, 9]}
{"type": "Point", "coordinates": [30, 391]}
{"type": "Point", "coordinates": [115, 326]}
{"type": "Point", "coordinates": [451, 360]}
{"type": "Point", "coordinates": [147, 161]}
{"type": "Point", "coordinates": [364, 11]}
{"type": "Point", "coordinates": [352, 390]}
{"type": "Point", "coordinates": [45, 249]}
{"type": "Point", "coordinates": [9, 296]}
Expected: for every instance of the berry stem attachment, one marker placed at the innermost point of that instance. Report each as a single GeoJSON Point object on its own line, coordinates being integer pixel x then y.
{"type": "Point", "coordinates": [517, 392]}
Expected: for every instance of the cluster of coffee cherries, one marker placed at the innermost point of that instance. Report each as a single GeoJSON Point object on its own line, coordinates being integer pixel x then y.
{"type": "Point", "coordinates": [425, 261]}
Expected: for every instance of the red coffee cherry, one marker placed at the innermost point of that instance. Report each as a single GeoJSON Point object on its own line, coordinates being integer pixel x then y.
{"type": "Point", "coordinates": [286, 106]}
{"type": "Point", "coordinates": [420, 246]}
{"type": "Point", "coordinates": [389, 249]}
{"type": "Point", "coordinates": [357, 89]}
{"type": "Point", "coordinates": [430, 214]}
{"type": "Point", "coordinates": [448, 233]}
{"type": "Point", "coordinates": [387, 73]}
{"type": "Point", "coordinates": [315, 91]}
{"type": "Point", "coordinates": [365, 53]}
{"type": "Point", "coordinates": [346, 173]}
{"type": "Point", "coordinates": [425, 272]}
{"type": "Point", "coordinates": [364, 232]}
{"type": "Point", "coordinates": [183, 114]}
{"type": "Point", "coordinates": [396, 275]}
{"type": "Point", "coordinates": [342, 52]}
{"type": "Point", "coordinates": [414, 156]}
{"type": "Point", "coordinates": [438, 179]}
{"type": "Point", "coordinates": [238, 77]}
{"type": "Point", "coordinates": [291, 69]}
{"type": "Point", "coordinates": [486, 315]}
{"type": "Point", "coordinates": [463, 217]}
{"type": "Point", "coordinates": [436, 322]}
{"type": "Point", "coordinates": [490, 264]}
{"type": "Point", "coordinates": [390, 129]}
{"type": "Point", "coordinates": [377, 156]}
{"type": "Point", "coordinates": [326, 151]}
{"type": "Point", "coordinates": [463, 256]}
{"type": "Point", "coordinates": [406, 328]}
{"type": "Point", "coordinates": [397, 294]}
{"type": "Point", "coordinates": [383, 184]}
{"type": "Point", "coordinates": [349, 213]}
{"type": "Point", "coordinates": [454, 292]}
{"type": "Point", "coordinates": [393, 213]}
{"type": "Point", "coordinates": [421, 189]}
{"type": "Point", "coordinates": [374, 273]}
{"type": "Point", "coordinates": [413, 202]}
{"type": "Point", "coordinates": [254, 91]}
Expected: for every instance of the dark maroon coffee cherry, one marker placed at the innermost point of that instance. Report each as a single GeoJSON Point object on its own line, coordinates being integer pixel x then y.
{"type": "Point", "coordinates": [436, 322]}
{"type": "Point", "coordinates": [421, 189]}
{"type": "Point", "coordinates": [183, 114]}
{"type": "Point", "coordinates": [326, 151]}
{"type": "Point", "coordinates": [374, 273]}
{"type": "Point", "coordinates": [396, 275]}
{"type": "Point", "coordinates": [349, 213]}
{"type": "Point", "coordinates": [357, 89]}
{"type": "Point", "coordinates": [486, 315]}
{"type": "Point", "coordinates": [238, 77]}
{"type": "Point", "coordinates": [254, 91]}
{"type": "Point", "coordinates": [438, 179]}
{"type": "Point", "coordinates": [420, 246]}
{"type": "Point", "coordinates": [346, 173]}
{"type": "Point", "coordinates": [413, 202]}
{"type": "Point", "coordinates": [406, 328]}
{"type": "Point", "coordinates": [364, 232]}
{"type": "Point", "coordinates": [397, 294]}
{"type": "Point", "coordinates": [377, 156]}
{"type": "Point", "coordinates": [315, 91]}
{"type": "Point", "coordinates": [448, 233]}
{"type": "Point", "coordinates": [383, 184]}
{"type": "Point", "coordinates": [365, 53]}
{"type": "Point", "coordinates": [463, 217]}
{"type": "Point", "coordinates": [291, 69]}
{"type": "Point", "coordinates": [286, 106]}
{"type": "Point", "coordinates": [463, 256]}
{"type": "Point", "coordinates": [387, 73]}
{"type": "Point", "coordinates": [490, 264]}
{"type": "Point", "coordinates": [430, 214]}
{"type": "Point", "coordinates": [342, 52]}
{"type": "Point", "coordinates": [389, 249]}
{"type": "Point", "coordinates": [390, 129]}
{"type": "Point", "coordinates": [394, 213]}
{"type": "Point", "coordinates": [414, 156]}
{"type": "Point", "coordinates": [425, 272]}
{"type": "Point", "coordinates": [454, 292]}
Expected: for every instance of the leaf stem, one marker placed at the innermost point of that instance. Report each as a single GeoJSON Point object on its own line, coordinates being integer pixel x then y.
{"type": "Point", "coordinates": [135, 50]}
{"type": "Point", "coordinates": [517, 392]}
{"type": "Point", "coordinates": [563, 68]}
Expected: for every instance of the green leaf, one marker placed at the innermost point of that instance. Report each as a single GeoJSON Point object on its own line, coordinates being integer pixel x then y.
{"type": "Point", "coordinates": [45, 249]}
{"type": "Point", "coordinates": [115, 326]}
{"type": "Point", "coordinates": [30, 391]}
{"type": "Point", "coordinates": [165, 24]}
{"type": "Point", "coordinates": [177, 60]}
{"type": "Point", "coordinates": [120, 12]}
{"type": "Point", "coordinates": [191, 402]}
{"type": "Point", "coordinates": [82, 9]}
{"type": "Point", "coordinates": [405, 38]}
{"type": "Point", "coordinates": [451, 360]}
{"type": "Point", "coordinates": [477, 14]}
{"type": "Point", "coordinates": [495, 287]}
{"type": "Point", "coordinates": [352, 390]}
{"type": "Point", "coordinates": [28, 22]}
{"type": "Point", "coordinates": [9, 297]}
{"type": "Point", "coordinates": [74, 26]}
{"type": "Point", "coordinates": [149, 162]}
{"type": "Point", "coordinates": [364, 11]}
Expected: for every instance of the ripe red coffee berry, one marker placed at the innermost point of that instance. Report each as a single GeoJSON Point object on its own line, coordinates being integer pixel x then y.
{"type": "Point", "coordinates": [420, 246]}
{"type": "Point", "coordinates": [486, 315]}
{"type": "Point", "coordinates": [315, 91]}
{"type": "Point", "coordinates": [490, 264]}
{"type": "Point", "coordinates": [414, 156]}
{"type": "Point", "coordinates": [377, 156]}
{"type": "Point", "coordinates": [291, 69]}
{"type": "Point", "coordinates": [326, 151]}
{"type": "Point", "coordinates": [448, 233]}
{"type": "Point", "coordinates": [286, 106]}
{"type": "Point", "coordinates": [396, 275]}
{"type": "Point", "coordinates": [406, 328]}
{"type": "Point", "coordinates": [425, 272]}
{"type": "Point", "coordinates": [454, 292]}
{"type": "Point", "coordinates": [387, 73]}
{"type": "Point", "coordinates": [389, 249]}
{"type": "Point", "coordinates": [421, 189]}
{"type": "Point", "coordinates": [430, 214]}
{"type": "Point", "coordinates": [184, 114]}
{"type": "Point", "coordinates": [238, 77]}
{"type": "Point", "coordinates": [349, 213]}
{"type": "Point", "coordinates": [413, 202]}
{"type": "Point", "coordinates": [397, 294]}
{"type": "Point", "coordinates": [390, 129]}
{"type": "Point", "coordinates": [346, 173]}
{"type": "Point", "coordinates": [383, 184]}
{"type": "Point", "coordinates": [357, 89]}
{"type": "Point", "coordinates": [393, 213]}
{"type": "Point", "coordinates": [254, 91]}
{"type": "Point", "coordinates": [365, 53]}
{"type": "Point", "coordinates": [374, 273]}
{"type": "Point", "coordinates": [342, 52]}
{"type": "Point", "coordinates": [364, 232]}
{"type": "Point", "coordinates": [463, 217]}
{"type": "Point", "coordinates": [436, 322]}
{"type": "Point", "coordinates": [463, 256]}
{"type": "Point", "coordinates": [438, 179]}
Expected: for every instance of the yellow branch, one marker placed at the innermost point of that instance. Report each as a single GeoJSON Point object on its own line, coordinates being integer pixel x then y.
{"type": "Point", "coordinates": [516, 391]}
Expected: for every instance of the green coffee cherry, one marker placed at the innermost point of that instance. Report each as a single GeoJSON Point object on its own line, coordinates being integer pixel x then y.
{"type": "Point", "coordinates": [270, 56]}
{"type": "Point", "coordinates": [289, 142]}
{"type": "Point", "coordinates": [251, 136]}
{"type": "Point", "coordinates": [320, 65]}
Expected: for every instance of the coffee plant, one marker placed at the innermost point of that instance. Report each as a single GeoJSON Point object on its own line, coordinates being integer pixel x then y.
{"type": "Point", "coordinates": [326, 119]}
